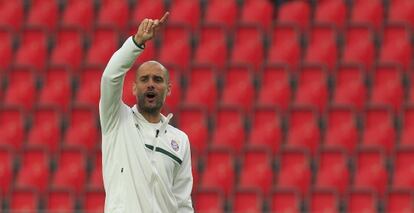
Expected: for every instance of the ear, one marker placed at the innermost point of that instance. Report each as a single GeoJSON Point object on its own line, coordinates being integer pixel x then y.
{"type": "Point", "coordinates": [134, 88]}
{"type": "Point", "coordinates": [169, 89]}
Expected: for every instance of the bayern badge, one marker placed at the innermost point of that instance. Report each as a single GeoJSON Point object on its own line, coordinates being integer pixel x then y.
{"type": "Point", "coordinates": [174, 145]}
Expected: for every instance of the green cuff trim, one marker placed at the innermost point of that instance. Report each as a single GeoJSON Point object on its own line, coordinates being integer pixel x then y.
{"type": "Point", "coordinates": [142, 46]}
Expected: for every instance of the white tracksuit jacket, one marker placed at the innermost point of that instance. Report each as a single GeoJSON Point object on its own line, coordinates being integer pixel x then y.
{"type": "Point", "coordinates": [143, 171]}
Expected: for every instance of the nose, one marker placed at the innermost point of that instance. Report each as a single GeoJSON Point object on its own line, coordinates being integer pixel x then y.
{"type": "Point", "coordinates": [150, 85]}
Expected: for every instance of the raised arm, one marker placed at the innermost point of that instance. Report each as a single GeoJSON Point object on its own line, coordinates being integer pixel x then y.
{"type": "Point", "coordinates": [121, 61]}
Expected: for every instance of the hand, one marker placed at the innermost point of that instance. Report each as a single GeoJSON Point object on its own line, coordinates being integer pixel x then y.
{"type": "Point", "coordinates": [148, 28]}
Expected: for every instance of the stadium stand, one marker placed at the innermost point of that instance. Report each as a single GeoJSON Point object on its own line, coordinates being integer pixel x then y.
{"type": "Point", "coordinates": [289, 105]}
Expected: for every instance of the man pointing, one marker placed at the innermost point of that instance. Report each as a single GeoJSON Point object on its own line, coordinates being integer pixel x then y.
{"type": "Point", "coordinates": [146, 161]}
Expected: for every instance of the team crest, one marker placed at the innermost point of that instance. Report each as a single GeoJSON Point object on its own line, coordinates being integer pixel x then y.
{"type": "Point", "coordinates": [174, 145]}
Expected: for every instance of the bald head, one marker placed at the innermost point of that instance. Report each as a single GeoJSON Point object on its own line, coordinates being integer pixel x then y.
{"type": "Point", "coordinates": [153, 65]}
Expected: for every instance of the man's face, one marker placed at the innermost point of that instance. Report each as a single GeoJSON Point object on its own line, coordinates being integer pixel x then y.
{"type": "Point", "coordinates": [151, 87]}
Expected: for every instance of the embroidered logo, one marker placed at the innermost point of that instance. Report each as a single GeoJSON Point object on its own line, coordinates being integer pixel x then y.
{"type": "Point", "coordinates": [174, 145]}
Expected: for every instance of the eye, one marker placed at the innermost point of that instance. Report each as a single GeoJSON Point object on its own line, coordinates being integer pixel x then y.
{"type": "Point", "coordinates": [158, 79]}
{"type": "Point", "coordinates": [143, 79]}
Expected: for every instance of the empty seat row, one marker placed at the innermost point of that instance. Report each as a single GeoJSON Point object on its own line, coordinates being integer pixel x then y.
{"type": "Point", "coordinates": [35, 168]}
{"type": "Point", "coordinates": [301, 127]}
{"type": "Point", "coordinates": [316, 201]}
{"type": "Point", "coordinates": [85, 14]}
{"type": "Point", "coordinates": [55, 200]}
{"type": "Point", "coordinates": [249, 45]}
{"type": "Point", "coordinates": [236, 85]}
{"type": "Point", "coordinates": [294, 169]}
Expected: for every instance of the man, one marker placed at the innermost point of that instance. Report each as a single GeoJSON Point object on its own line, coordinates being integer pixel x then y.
{"type": "Point", "coordinates": [146, 162]}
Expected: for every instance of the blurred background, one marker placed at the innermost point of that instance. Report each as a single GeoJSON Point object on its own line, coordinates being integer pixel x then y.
{"type": "Point", "coordinates": [290, 105]}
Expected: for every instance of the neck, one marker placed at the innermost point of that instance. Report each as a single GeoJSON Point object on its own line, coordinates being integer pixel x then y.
{"type": "Point", "coordinates": [150, 117]}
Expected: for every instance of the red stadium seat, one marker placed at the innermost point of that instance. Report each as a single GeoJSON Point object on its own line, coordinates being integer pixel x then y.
{"type": "Point", "coordinates": [359, 45]}
{"type": "Point", "coordinates": [387, 87]}
{"type": "Point", "coordinates": [229, 128]}
{"type": "Point", "coordinates": [24, 200]}
{"type": "Point", "coordinates": [104, 43]}
{"type": "Point", "coordinates": [332, 171]}
{"type": "Point", "coordinates": [113, 13]}
{"type": "Point", "coordinates": [399, 201]}
{"type": "Point", "coordinates": [12, 14]}
{"type": "Point", "coordinates": [88, 91]}
{"type": "Point", "coordinates": [57, 88]}
{"type": "Point", "coordinates": [323, 201]}
{"type": "Point", "coordinates": [407, 128]}
{"type": "Point", "coordinates": [127, 95]}
{"type": "Point", "coordinates": [370, 172]}
{"type": "Point", "coordinates": [238, 89]}
{"type": "Point", "coordinates": [219, 171]}
{"type": "Point", "coordinates": [379, 131]}
{"type": "Point", "coordinates": [212, 46]}
{"type": "Point", "coordinates": [194, 122]}
{"type": "Point", "coordinates": [341, 129]}
{"type": "Point", "coordinates": [70, 171]}
{"type": "Point", "coordinates": [202, 87]}
{"type": "Point", "coordinates": [248, 46]}
{"type": "Point", "coordinates": [322, 46]}
{"type": "Point", "coordinates": [396, 46]}
{"type": "Point", "coordinates": [368, 12]}
{"type": "Point", "coordinates": [312, 87]}
{"type": "Point", "coordinates": [6, 48]}
{"type": "Point", "coordinates": [34, 169]}
{"type": "Point", "coordinates": [257, 12]}
{"type": "Point", "coordinates": [95, 178]}
{"type": "Point", "coordinates": [221, 12]}
{"type": "Point", "coordinates": [46, 128]}
{"type": "Point", "coordinates": [6, 169]}
{"type": "Point", "coordinates": [195, 170]}
{"type": "Point", "coordinates": [209, 201]}
{"type": "Point", "coordinates": [185, 12]}
{"type": "Point", "coordinates": [403, 169]}
{"type": "Point", "coordinates": [256, 170]}
{"type": "Point", "coordinates": [176, 48]}
{"type": "Point", "coordinates": [401, 11]}
{"type": "Point", "coordinates": [94, 200]}
{"type": "Point", "coordinates": [271, 94]}
{"type": "Point", "coordinates": [266, 129]}
{"type": "Point", "coordinates": [361, 201]}
{"type": "Point", "coordinates": [21, 90]}
{"type": "Point", "coordinates": [285, 201]}
{"type": "Point", "coordinates": [245, 201]}
{"type": "Point", "coordinates": [285, 45]}
{"type": "Point", "coordinates": [82, 129]}
{"type": "Point", "coordinates": [68, 49]}
{"type": "Point", "coordinates": [33, 48]}
{"type": "Point", "coordinates": [303, 129]}
{"type": "Point", "coordinates": [153, 9]}
{"type": "Point", "coordinates": [174, 99]}
{"type": "Point", "coordinates": [60, 201]}
{"type": "Point", "coordinates": [331, 12]}
{"type": "Point", "coordinates": [43, 13]}
{"type": "Point", "coordinates": [79, 13]}
{"type": "Point", "coordinates": [294, 172]}
{"type": "Point", "coordinates": [350, 89]}
{"type": "Point", "coordinates": [12, 124]}
{"type": "Point", "coordinates": [295, 12]}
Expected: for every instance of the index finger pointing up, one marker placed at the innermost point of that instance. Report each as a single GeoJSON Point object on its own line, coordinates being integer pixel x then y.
{"type": "Point", "coordinates": [164, 17]}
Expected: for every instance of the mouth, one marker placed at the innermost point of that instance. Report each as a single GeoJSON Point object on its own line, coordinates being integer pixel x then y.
{"type": "Point", "coordinates": [150, 96]}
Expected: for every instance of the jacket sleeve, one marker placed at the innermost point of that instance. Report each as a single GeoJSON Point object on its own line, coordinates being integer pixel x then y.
{"type": "Point", "coordinates": [183, 183]}
{"type": "Point", "coordinates": [112, 83]}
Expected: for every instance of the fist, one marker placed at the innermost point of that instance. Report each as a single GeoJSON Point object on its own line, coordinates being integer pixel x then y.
{"type": "Point", "coordinates": [148, 29]}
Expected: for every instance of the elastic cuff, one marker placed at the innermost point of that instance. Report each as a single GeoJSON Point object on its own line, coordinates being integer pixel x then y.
{"type": "Point", "coordinates": [142, 46]}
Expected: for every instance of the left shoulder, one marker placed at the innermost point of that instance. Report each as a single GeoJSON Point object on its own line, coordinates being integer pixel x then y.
{"type": "Point", "coordinates": [177, 133]}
